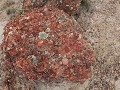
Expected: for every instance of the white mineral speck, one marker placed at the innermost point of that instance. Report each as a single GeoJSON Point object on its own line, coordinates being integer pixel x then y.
{"type": "Point", "coordinates": [43, 35]}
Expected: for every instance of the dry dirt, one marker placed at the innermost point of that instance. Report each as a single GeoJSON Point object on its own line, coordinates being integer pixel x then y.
{"type": "Point", "coordinates": [100, 20]}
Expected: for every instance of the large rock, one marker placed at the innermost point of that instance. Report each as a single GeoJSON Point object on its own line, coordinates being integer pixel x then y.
{"type": "Point", "coordinates": [47, 44]}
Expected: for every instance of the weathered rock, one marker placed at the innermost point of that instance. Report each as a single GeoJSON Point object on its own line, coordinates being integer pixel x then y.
{"type": "Point", "coordinates": [68, 6]}
{"type": "Point", "coordinates": [47, 44]}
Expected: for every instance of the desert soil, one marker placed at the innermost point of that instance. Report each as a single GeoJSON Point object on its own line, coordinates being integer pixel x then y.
{"type": "Point", "coordinates": [100, 20]}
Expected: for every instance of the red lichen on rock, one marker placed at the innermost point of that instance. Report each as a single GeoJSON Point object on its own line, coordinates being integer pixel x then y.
{"type": "Point", "coordinates": [47, 44]}
{"type": "Point", "coordinates": [68, 6]}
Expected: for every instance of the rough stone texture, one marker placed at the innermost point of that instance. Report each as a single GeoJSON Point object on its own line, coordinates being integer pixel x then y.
{"type": "Point", "coordinates": [101, 22]}
{"type": "Point", "coordinates": [47, 44]}
{"type": "Point", "coordinates": [69, 6]}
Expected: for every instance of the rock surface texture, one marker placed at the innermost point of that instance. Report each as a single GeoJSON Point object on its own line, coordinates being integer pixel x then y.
{"type": "Point", "coordinates": [68, 6]}
{"type": "Point", "coordinates": [100, 20]}
{"type": "Point", "coordinates": [47, 44]}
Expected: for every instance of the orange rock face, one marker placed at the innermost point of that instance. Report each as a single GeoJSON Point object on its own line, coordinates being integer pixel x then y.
{"type": "Point", "coordinates": [47, 44]}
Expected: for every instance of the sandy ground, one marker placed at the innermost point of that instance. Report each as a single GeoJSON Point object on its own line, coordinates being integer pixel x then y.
{"type": "Point", "coordinates": [101, 23]}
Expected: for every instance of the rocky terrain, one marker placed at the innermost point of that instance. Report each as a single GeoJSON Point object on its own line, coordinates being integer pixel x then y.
{"type": "Point", "coordinates": [100, 20]}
